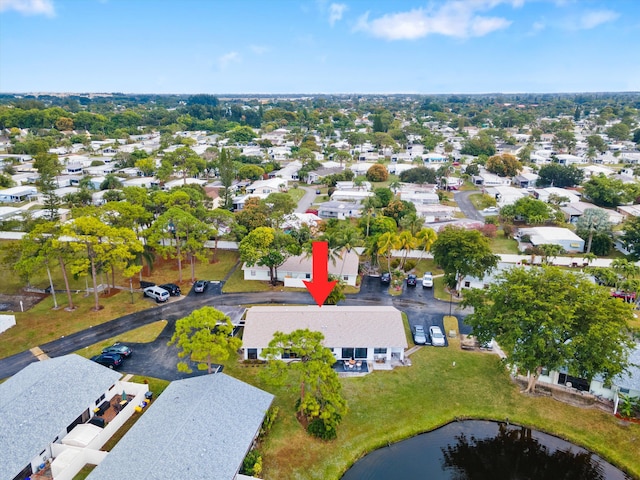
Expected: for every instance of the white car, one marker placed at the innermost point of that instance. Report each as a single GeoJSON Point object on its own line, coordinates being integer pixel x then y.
{"type": "Point", "coordinates": [160, 295]}
{"type": "Point", "coordinates": [491, 210]}
{"type": "Point", "coordinates": [437, 337]}
{"type": "Point", "coordinates": [427, 280]}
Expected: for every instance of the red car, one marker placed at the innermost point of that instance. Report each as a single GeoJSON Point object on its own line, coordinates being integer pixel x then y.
{"type": "Point", "coordinates": [629, 297]}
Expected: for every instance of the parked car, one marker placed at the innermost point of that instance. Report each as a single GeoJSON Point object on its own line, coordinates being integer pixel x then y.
{"type": "Point", "coordinates": [419, 335]}
{"type": "Point", "coordinates": [437, 337]}
{"type": "Point", "coordinates": [385, 277]}
{"type": "Point", "coordinates": [119, 348]}
{"type": "Point", "coordinates": [628, 297]}
{"type": "Point", "coordinates": [318, 191]}
{"type": "Point", "coordinates": [111, 360]}
{"type": "Point", "coordinates": [427, 280]}
{"type": "Point", "coordinates": [172, 288]}
{"type": "Point", "coordinates": [412, 280]}
{"type": "Point", "coordinates": [158, 294]}
{"type": "Point", "coordinates": [491, 210]}
{"type": "Point", "coordinates": [200, 286]}
{"type": "Point", "coordinates": [144, 284]}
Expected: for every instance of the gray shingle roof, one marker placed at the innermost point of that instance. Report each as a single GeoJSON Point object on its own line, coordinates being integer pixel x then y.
{"type": "Point", "coordinates": [41, 400]}
{"type": "Point", "coordinates": [199, 428]}
{"type": "Point", "coordinates": [341, 326]}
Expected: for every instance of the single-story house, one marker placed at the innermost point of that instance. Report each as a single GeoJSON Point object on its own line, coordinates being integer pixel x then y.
{"type": "Point", "coordinates": [298, 268]}
{"type": "Point", "coordinates": [525, 180]}
{"type": "Point", "coordinates": [350, 195]}
{"type": "Point", "coordinates": [573, 211]}
{"type": "Point", "coordinates": [434, 158]}
{"type": "Point", "coordinates": [489, 179]}
{"type": "Point", "coordinates": [372, 334]}
{"type": "Point", "coordinates": [627, 383]}
{"type": "Point", "coordinates": [200, 428]}
{"type": "Point", "coordinates": [295, 220]}
{"type": "Point", "coordinates": [144, 182]}
{"type": "Point", "coordinates": [436, 213]}
{"type": "Point", "coordinates": [567, 159]}
{"type": "Point", "coordinates": [317, 175]}
{"type": "Point", "coordinates": [544, 194]}
{"type": "Point", "coordinates": [629, 210]}
{"type": "Point", "coordinates": [271, 185]}
{"type": "Point", "coordinates": [180, 182]}
{"type": "Point", "coordinates": [289, 172]}
{"type": "Point", "coordinates": [505, 195]}
{"type": "Point", "coordinates": [239, 201]}
{"type": "Point", "coordinates": [17, 194]}
{"type": "Point", "coordinates": [352, 186]}
{"type": "Point", "coordinates": [42, 405]}
{"type": "Point", "coordinates": [564, 237]}
{"type": "Point", "coordinates": [420, 198]}
{"type": "Point", "coordinates": [340, 210]}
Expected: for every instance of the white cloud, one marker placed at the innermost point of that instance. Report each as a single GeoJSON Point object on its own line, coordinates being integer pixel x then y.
{"type": "Point", "coordinates": [455, 18]}
{"type": "Point", "coordinates": [594, 18]}
{"type": "Point", "coordinates": [336, 10]}
{"type": "Point", "coordinates": [259, 49]}
{"type": "Point", "coordinates": [29, 7]}
{"type": "Point", "coordinates": [228, 58]}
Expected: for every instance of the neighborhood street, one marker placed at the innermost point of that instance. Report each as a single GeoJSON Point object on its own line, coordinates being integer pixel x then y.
{"type": "Point", "coordinates": [158, 360]}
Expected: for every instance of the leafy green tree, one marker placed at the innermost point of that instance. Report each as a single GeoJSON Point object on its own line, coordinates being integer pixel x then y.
{"type": "Point", "coordinates": [397, 209]}
{"type": "Point", "coordinates": [425, 238]}
{"type": "Point", "coordinates": [619, 131]}
{"type": "Point", "coordinates": [461, 252]}
{"type": "Point", "coordinates": [179, 235]}
{"type": "Point", "coordinates": [551, 318]}
{"type": "Point", "coordinates": [48, 168]}
{"type": "Point", "coordinates": [320, 399]}
{"type": "Point", "coordinates": [251, 172]}
{"type": "Point", "coordinates": [221, 220]}
{"type": "Point", "coordinates": [591, 221]}
{"type": "Point", "coordinates": [268, 247]}
{"type": "Point", "coordinates": [337, 294]}
{"type": "Point", "coordinates": [227, 172]}
{"type": "Point", "coordinates": [385, 244]}
{"type": "Point", "coordinates": [504, 165]}
{"type": "Point", "coordinates": [204, 336]}
{"type": "Point", "coordinates": [254, 214]}
{"type": "Point", "coordinates": [102, 245]}
{"type": "Point", "coordinates": [481, 144]}
{"type": "Point", "coordinates": [241, 134]}
{"type": "Point", "coordinates": [110, 182]}
{"type": "Point", "coordinates": [183, 159]}
{"type": "Point", "coordinates": [529, 210]}
{"type": "Point", "coordinates": [564, 140]}
{"type": "Point", "coordinates": [418, 175]}
{"type": "Point", "coordinates": [605, 191]}
{"type": "Point", "coordinates": [278, 205]}
{"type": "Point", "coordinates": [631, 236]}
{"type": "Point", "coordinates": [597, 142]}
{"type": "Point", "coordinates": [559, 175]}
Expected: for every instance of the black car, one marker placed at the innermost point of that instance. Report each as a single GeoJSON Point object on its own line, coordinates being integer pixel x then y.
{"type": "Point", "coordinates": [172, 288]}
{"type": "Point", "coordinates": [200, 286]}
{"type": "Point", "coordinates": [118, 348]}
{"type": "Point", "coordinates": [412, 280]}
{"type": "Point", "coordinates": [111, 360]}
{"type": "Point", "coordinates": [144, 284]}
{"type": "Point", "coordinates": [385, 277]}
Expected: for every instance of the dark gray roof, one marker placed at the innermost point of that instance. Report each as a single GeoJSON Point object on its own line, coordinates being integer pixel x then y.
{"type": "Point", "coordinates": [199, 428]}
{"type": "Point", "coordinates": [41, 400]}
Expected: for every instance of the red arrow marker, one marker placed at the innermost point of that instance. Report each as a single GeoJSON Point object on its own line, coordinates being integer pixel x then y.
{"type": "Point", "coordinates": [320, 287]}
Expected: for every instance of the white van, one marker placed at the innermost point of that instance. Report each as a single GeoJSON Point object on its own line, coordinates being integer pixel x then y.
{"type": "Point", "coordinates": [159, 294]}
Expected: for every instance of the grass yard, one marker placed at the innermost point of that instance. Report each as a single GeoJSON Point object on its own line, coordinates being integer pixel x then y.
{"type": "Point", "coordinates": [390, 406]}
{"type": "Point", "coordinates": [501, 244]}
{"type": "Point", "coordinates": [145, 334]}
{"type": "Point", "coordinates": [42, 324]}
{"type": "Point", "coordinates": [296, 194]}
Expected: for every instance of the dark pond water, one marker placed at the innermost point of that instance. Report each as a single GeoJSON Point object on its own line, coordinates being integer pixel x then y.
{"type": "Point", "coordinates": [479, 450]}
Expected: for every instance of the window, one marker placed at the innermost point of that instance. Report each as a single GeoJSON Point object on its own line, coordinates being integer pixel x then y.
{"type": "Point", "coordinates": [345, 278]}
{"type": "Point", "coordinates": [380, 351]}
{"type": "Point", "coordinates": [624, 390]}
{"type": "Point", "coordinates": [289, 354]}
{"type": "Point", "coordinates": [467, 284]}
{"type": "Point", "coordinates": [347, 353]}
{"type": "Point", "coordinates": [252, 353]}
{"type": "Point", "coordinates": [307, 276]}
{"type": "Point", "coordinates": [253, 273]}
{"type": "Point", "coordinates": [545, 371]}
{"type": "Point", "coordinates": [361, 353]}
{"type": "Point", "coordinates": [100, 399]}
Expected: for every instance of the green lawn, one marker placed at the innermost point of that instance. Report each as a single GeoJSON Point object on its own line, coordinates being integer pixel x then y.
{"type": "Point", "coordinates": [296, 194]}
{"type": "Point", "coordinates": [390, 406]}
{"type": "Point", "coordinates": [501, 244]}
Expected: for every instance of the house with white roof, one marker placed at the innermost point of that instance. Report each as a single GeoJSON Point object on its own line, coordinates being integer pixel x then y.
{"type": "Point", "coordinates": [372, 335]}
{"type": "Point", "coordinates": [350, 195]}
{"type": "Point", "coordinates": [180, 182]}
{"type": "Point", "coordinates": [52, 428]}
{"type": "Point", "coordinates": [525, 180]}
{"type": "Point", "coordinates": [340, 210]}
{"type": "Point", "coordinates": [573, 211]}
{"type": "Point", "coordinates": [490, 180]}
{"type": "Point", "coordinates": [289, 172]}
{"type": "Point", "coordinates": [271, 185]}
{"type": "Point", "coordinates": [296, 269]}
{"type": "Point", "coordinates": [200, 428]}
{"type": "Point", "coordinates": [564, 237]}
{"type": "Point", "coordinates": [505, 195]}
{"type": "Point", "coordinates": [544, 193]}
{"type": "Point", "coordinates": [17, 194]}
{"type": "Point", "coordinates": [144, 182]}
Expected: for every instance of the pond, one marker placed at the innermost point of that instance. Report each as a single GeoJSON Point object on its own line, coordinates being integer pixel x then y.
{"type": "Point", "coordinates": [479, 450]}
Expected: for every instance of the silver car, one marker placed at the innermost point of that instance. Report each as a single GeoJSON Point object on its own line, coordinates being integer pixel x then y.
{"type": "Point", "coordinates": [437, 337]}
{"type": "Point", "coordinates": [419, 335]}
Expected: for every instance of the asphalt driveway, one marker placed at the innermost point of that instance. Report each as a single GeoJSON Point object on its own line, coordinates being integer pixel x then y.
{"type": "Point", "coordinates": [158, 360]}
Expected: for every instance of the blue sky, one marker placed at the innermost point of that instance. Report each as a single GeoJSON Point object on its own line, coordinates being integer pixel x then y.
{"type": "Point", "coordinates": [319, 46]}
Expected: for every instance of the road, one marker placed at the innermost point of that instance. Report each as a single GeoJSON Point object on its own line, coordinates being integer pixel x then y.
{"type": "Point", "coordinates": [465, 205]}
{"type": "Point", "coordinates": [306, 201]}
{"type": "Point", "coordinates": [158, 360]}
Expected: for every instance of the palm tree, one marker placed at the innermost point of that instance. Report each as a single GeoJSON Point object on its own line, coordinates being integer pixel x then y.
{"type": "Point", "coordinates": [346, 239]}
{"type": "Point", "coordinates": [425, 238]}
{"type": "Point", "coordinates": [385, 244]}
{"type": "Point", "coordinates": [406, 241]}
{"type": "Point", "coordinates": [412, 222]}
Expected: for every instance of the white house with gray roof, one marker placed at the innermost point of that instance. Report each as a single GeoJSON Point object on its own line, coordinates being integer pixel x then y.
{"type": "Point", "coordinates": [199, 429]}
{"type": "Point", "coordinates": [370, 334]}
{"type": "Point", "coordinates": [44, 402]}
